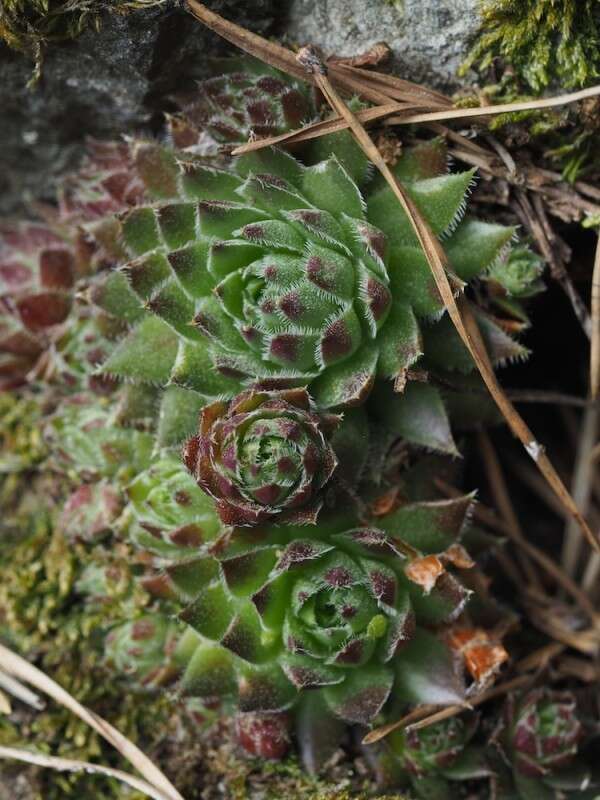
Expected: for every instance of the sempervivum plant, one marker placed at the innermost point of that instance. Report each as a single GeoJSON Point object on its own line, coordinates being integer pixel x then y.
{"type": "Point", "coordinates": [263, 456]}
{"type": "Point", "coordinates": [37, 275]}
{"type": "Point", "coordinates": [538, 735]}
{"type": "Point", "coordinates": [328, 622]}
{"type": "Point", "coordinates": [142, 649]}
{"type": "Point", "coordinates": [430, 758]}
{"type": "Point", "coordinates": [291, 275]}
{"type": "Point", "coordinates": [247, 100]}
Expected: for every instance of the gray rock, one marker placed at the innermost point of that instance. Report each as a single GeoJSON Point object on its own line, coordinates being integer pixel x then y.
{"type": "Point", "coordinates": [429, 38]}
{"type": "Point", "coordinates": [104, 84]}
{"type": "Point", "coordinates": [117, 81]}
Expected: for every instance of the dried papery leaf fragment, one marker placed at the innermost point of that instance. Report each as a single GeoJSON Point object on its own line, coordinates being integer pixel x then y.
{"type": "Point", "coordinates": [425, 572]}
{"type": "Point", "coordinates": [457, 556]}
{"type": "Point", "coordinates": [482, 655]}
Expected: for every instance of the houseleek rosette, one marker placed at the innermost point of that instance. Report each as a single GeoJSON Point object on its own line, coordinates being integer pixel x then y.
{"type": "Point", "coordinates": [428, 759]}
{"type": "Point", "coordinates": [142, 650]}
{"type": "Point", "coordinates": [248, 99]}
{"type": "Point", "coordinates": [37, 275]}
{"type": "Point", "coordinates": [283, 274]}
{"type": "Point", "coordinates": [263, 456]}
{"type": "Point", "coordinates": [539, 732]}
{"type": "Point", "coordinates": [333, 618]}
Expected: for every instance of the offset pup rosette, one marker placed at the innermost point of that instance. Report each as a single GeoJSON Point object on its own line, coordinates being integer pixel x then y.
{"type": "Point", "coordinates": [539, 732]}
{"type": "Point", "coordinates": [263, 456]}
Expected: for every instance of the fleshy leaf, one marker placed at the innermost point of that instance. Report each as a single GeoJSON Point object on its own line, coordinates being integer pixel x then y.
{"type": "Point", "coordinates": [426, 673]}
{"type": "Point", "coordinates": [209, 673]}
{"type": "Point", "coordinates": [400, 343]}
{"type": "Point", "coordinates": [349, 382]}
{"type": "Point", "coordinates": [429, 527]}
{"type": "Point", "coordinates": [328, 186]}
{"type": "Point", "coordinates": [475, 245]}
{"type": "Point", "coordinates": [418, 415]}
{"type": "Point", "coordinates": [146, 355]}
{"type": "Point", "coordinates": [360, 697]}
{"type": "Point", "coordinates": [178, 415]}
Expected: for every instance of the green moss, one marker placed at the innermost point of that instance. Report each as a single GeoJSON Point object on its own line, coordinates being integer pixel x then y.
{"type": "Point", "coordinates": [22, 447]}
{"type": "Point", "coordinates": [45, 616]}
{"type": "Point", "coordinates": [542, 40]}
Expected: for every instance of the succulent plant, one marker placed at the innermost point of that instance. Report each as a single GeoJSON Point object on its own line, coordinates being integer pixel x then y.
{"type": "Point", "coordinates": [286, 275]}
{"type": "Point", "coordinates": [169, 515]}
{"type": "Point", "coordinates": [142, 649]}
{"type": "Point", "coordinates": [538, 736]}
{"type": "Point", "coordinates": [37, 275]}
{"type": "Point", "coordinates": [247, 100]}
{"type": "Point", "coordinates": [324, 621]}
{"type": "Point", "coordinates": [245, 306]}
{"type": "Point", "coordinates": [429, 758]}
{"type": "Point", "coordinates": [540, 731]}
{"type": "Point", "coordinates": [263, 456]}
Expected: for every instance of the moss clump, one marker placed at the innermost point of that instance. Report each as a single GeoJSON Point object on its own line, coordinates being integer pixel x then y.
{"type": "Point", "coordinates": [45, 614]}
{"type": "Point", "coordinates": [542, 40]}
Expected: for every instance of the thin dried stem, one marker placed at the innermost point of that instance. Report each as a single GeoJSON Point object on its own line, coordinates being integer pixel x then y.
{"type": "Point", "coordinates": [595, 326]}
{"type": "Point", "coordinates": [72, 765]}
{"type": "Point", "coordinates": [499, 490]}
{"type": "Point", "coordinates": [22, 670]}
{"type": "Point", "coordinates": [501, 108]}
{"type": "Point", "coordinates": [22, 693]}
{"type": "Point", "coordinates": [422, 717]}
{"type": "Point", "coordinates": [591, 572]}
{"type": "Point", "coordinates": [583, 476]}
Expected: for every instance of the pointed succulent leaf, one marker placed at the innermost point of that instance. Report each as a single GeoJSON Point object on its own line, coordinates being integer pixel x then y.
{"type": "Point", "coordinates": [441, 200]}
{"type": "Point", "coordinates": [418, 415]}
{"type": "Point", "coordinates": [361, 696]}
{"type": "Point", "coordinates": [264, 688]}
{"type": "Point", "coordinates": [158, 169]}
{"type": "Point", "coordinates": [475, 246]}
{"type": "Point", "coordinates": [328, 186]}
{"type": "Point", "coordinates": [447, 351]}
{"type": "Point", "coordinates": [318, 731]}
{"type": "Point", "coordinates": [346, 150]}
{"type": "Point", "coordinates": [429, 527]}
{"type": "Point", "coordinates": [177, 416]}
{"type": "Point", "coordinates": [147, 354]}
{"type": "Point", "coordinates": [426, 673]}
{"type": "Point", "coordinates": [210, 672]}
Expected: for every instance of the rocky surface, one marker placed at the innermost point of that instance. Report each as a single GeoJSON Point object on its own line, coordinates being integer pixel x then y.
{"type": "Point", "coordinates": [104, 84]}
{"type": "Point", "coordinates": [429, 38]}
{"type": "Point", "coordinates": [118, 80]}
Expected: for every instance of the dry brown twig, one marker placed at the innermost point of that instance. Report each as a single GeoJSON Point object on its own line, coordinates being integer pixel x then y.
{"type": "Point", "coordinates": [20, 669]}
{"type": "Point", "coordinates": [72, 765]}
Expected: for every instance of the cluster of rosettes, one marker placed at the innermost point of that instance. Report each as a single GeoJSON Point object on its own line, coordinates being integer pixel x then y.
{"type": "Point", "coordinates": [248, 305]}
